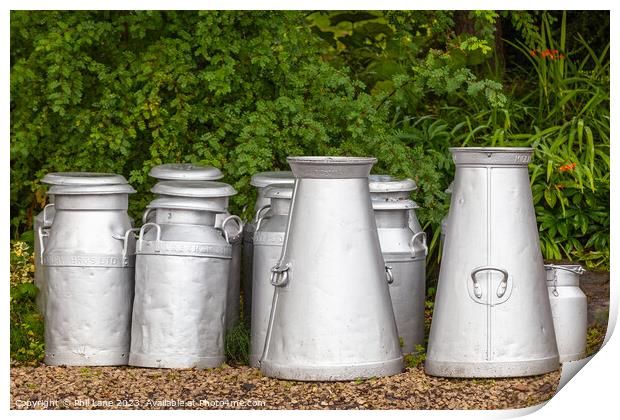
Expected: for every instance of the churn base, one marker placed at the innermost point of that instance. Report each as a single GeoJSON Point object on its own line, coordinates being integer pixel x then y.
{"type": "Point", "coordinates": [333, 372]}
{"type": "Point", "coordinates": [491, 369]}
{"type": "Point", "coordinates": [104, 358]}
{"type": "Point", "coordinates": [174, 362]}
{"type": "Point", "coordinates": [572, 357]}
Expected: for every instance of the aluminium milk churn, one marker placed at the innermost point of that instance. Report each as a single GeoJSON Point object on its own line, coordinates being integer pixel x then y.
{"type": "Point", "coordinates": [268, 240]}
{"type": "Point", "coordinates": [260, 180]}
{"type": "Point", "coordinates": [569, 307]}
{"type": "Point", "coordinates": [492, 316]}
{"type": "Point", "coordinates": [46, 217]}
{"type": "Point", "coordinates": [193, 172]}
{"type": "Point", "coordinates": [182, 271]}
{"type": "Point", "coordinates": [404, 251]}
{"type": "Point", "coordinates": [331, 316]}
{"type": "Point", "coordinates": [87, 264]}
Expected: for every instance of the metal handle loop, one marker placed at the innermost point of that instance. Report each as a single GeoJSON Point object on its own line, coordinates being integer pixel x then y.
{"type": "Point", "coordinates": [389, 274]}
{"type": "Point", "coordinates": [43, 233]}
{"type": "Point", "coordinates": [579, 270]}
{"type": "Point", "coordinates": [146, 213]}
{"type": "Point", "coordinates": [238, 234]}
{"type": "Point", "coordinates": [126, 244]}
{"type": "Point", "coordinates": [415, 237]}
{"type": "Point", "coordinates": [503, 285]}
{"type": "Point", "coordinates": [45, 222]}
{"type": "Point", "coordinates": [279, 275]}
{"type": "Point", "coordinates": [260, 217]}
{"type": "Point", "coordinates": [157, 237]}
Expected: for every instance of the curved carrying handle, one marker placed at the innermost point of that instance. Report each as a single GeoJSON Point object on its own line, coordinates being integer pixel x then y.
{"type": "Point", "coordinates": [145, 215]}
{"type": "Point", "coordinates": [389, 274]}
{"type": "Point", "coordinates": [279, 275]}
{"type": "Point", "coordinates": [126, 244]}
{"type": "Point", "coordinates": [412, 241]}
{"type": "Point", "coordinates": [43, 233]}
{"type": "Point", "coordinates": [239, 232]}
{"type": "Point", "coordinates": [501, 289]}
{"type": "Point", "coordinates": [47, 223]}
{"type": "Point", "coordinates": [157, 237]}
{"type": "Point", "coordinates": [579, 270]}
{"type": "Point", "coordinates": [260, 216]}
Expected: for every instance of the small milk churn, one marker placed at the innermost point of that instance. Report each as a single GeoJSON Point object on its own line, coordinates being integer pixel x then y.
{"type": "Point", "coordinates": [87, 263]}
{"type": "Point", "coordinates": [268, 240]}
{"type": "Point", "coordinates": [404, 251]}
{"type": "Point", "coordinates": [260, 180]}
{"type": "Point", "coordinates": [46, 217]}
{"type": "Point", "coordinates": [194, 172]}
{"type": "Point", "coordinates": [492, 316]}
{"type": "Point", "coordinates": [331, 316]}
{"type": "Point", "coordinates": [569, 307]}
{"type": "Point", "coordinates": [182, 271]}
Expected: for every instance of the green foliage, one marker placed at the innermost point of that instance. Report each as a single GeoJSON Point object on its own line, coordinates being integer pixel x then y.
{"type": "Point", "coordinates": [26, 324]}
{"type": "Point", "coordinates": [237, 344]}
{"type": "Point", "coordinates": [415, 359]}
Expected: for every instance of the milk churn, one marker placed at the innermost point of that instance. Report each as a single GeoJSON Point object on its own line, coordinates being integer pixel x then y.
{"type": "Point", "coordinates": [492, 316]}
{"type": "Point", "coordinates": [182, 272]}
{"type": "Point", "coordinates": [260, 180]}
{"type": "Point", "coordinates": [404, 251]}
{"type": "Point", "coordinates": [194, 172]}
{"type": "Point", "coordinates": [331, 315]}
{"type": "Point", "coordinates": [45, 218]}
{"type": "Point", "coordinates": [87, 263]}
{"type": "Point", "coordinates": [569, 307]}
{"type": "Point", "coordinates": [268, 240]}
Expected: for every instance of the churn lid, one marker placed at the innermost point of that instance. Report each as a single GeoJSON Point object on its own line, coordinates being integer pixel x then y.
{"type": "Point", "coordinates": [279, 191]}
{"type": "Point", "coordinates": [387, 183]}
{"type": "Point", "coordinates": [186, 172]}
{"type": "Point", "coordinates": [264, 179]}
{"type": "Point", "coordinates": [83, 178]}
{"type": "Point", "coordinates": [82, 189]}
{"type": "Point", "coordinates": [199, 189]}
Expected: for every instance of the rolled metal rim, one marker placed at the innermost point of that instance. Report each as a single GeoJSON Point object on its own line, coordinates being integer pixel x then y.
{"type": "Point", "coordinates": [491, 156]}
{"type": "Point", "coordinates": [279, 191]}
{"type": "Point", "coordinates": [387, 183]}
{"type": "Point", "coordinates": [91, 189]}
{"type": "Point", "coordinates": [186, 172]}
{"type": "Point", "coordinates": [201, 189]}
{"type": "Point", "coordinates": [264, 179]}
{"type": "Point", "coordinates": [331, 167]}
{"type": "Point", "coordinates": [83, 178]}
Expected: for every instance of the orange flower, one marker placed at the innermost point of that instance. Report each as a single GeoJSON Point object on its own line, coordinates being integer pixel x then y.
{"type": "Point", "coordinates": [533, 53]}
{"type": "Point", "coordinates": [568, 167]}
{"type": "Point", "coordinates": [559, 186]}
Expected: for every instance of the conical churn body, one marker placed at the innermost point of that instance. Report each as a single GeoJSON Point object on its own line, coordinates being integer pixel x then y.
{"type": "Point", "coordinates": [492, 316]}
{"type": "Point", "coordinates": [331, 316]}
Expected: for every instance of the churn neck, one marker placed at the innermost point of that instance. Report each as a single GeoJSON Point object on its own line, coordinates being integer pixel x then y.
{"type": "Point", "coordinates": [491, 156]}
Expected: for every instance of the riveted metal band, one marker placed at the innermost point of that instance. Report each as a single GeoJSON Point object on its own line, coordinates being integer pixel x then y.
{"type": "Point", "coordinates": [268, 238]}
{"type": "Point", "coordinates": [87, 260]}
{"type": "Point", "coordinates": [186, 249]}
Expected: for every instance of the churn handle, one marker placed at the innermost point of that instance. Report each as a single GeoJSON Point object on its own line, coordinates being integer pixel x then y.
{"type": "Point", "coordinates": [225, 222]}
{"type": "Point", "coordinates": [146, 213]}
{"type": "Point", "coordinates": [126, 244]}
{"type": "Point", "coordinates": [259, 216]}
{"type": "Point", "coordinates": [414, 238]}
{"type": "Point", "coordinates": [579, 271]}
{"type": "Point", "coordinates": [45, 224]}
{"type": "Point", "coordinates": [278, 271]}
{"type": "Point", "coordinates": [43, 233]}
{"type": "Point", "coordinates": [389, 274]}
{"type": "Point", "coordinates": [157, 238]}
{"type": "Point", "coordinates": [503, 285]}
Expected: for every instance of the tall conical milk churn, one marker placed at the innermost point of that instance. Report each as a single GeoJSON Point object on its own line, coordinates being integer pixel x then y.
{"type": "Point", "coordinates": [46, 217]}
{"type": "Point", "coordinates": [260, 180]}
{"type": "Point", "coordinates": [569, 307]}
{"type": "Point", "coordinates": [492, 316]}
{"type": "Point", "coordinates": [182, 172]}
{"type": "Point", "coordinates": [268, 240]}
{"type": "Point", "coordinates": [87, 263]}
{"type": "Point", "coordinates": [404, 251]}
{"type": "Point", "coordinates": [331, 315]}
{"type": "Point", "coordinates": [182, 272]}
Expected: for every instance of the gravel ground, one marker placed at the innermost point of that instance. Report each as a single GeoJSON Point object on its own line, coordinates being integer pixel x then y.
{"type": "Point", "coordinates": [230, 387]}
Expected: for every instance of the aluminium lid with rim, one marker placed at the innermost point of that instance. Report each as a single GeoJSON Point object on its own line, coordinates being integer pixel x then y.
{"type": "Point", "coordinates": [185, 172]}
{"type": "Point", "coordinates": [91, 189]}
{"type": "Point", "coordinates": [264, 179]}
{"type": "Point", "coordinates": [387, 183]}
{"type": "Point", "coordinates": [83, 178]}
{"type": "Point", "coordinates": [199, 189]}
